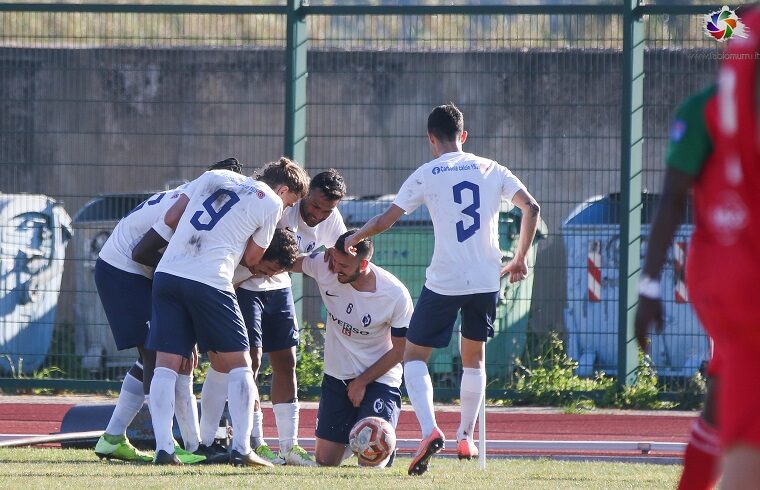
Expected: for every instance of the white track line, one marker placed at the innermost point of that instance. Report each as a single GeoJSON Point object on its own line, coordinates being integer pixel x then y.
{"type": "Point", "coordinates": [568, 447]}
{"type": "Point", "coordinates": [637, 447]}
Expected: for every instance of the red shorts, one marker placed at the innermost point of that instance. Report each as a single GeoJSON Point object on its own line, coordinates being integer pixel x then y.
{"type": "Point", "coordinates": [735, 332]}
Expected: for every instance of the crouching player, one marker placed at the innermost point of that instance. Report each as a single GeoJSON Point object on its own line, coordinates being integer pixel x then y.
{"type": "Point", "coordinates": [368, 312]}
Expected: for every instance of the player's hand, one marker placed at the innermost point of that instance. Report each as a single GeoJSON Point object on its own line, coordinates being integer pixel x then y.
{"type": "Point", "coordinates": [356, 389]}
{"type": "Point", "coordinates": [649, 312]}
{"type": "Point", "coordinates": [328, 258]}
{"type": "Point", "coordinates": [188, 364]}
{"type": "Point", "coordinates": [517, 268]}
{"type": "Point", "coordinates": [349, 245]}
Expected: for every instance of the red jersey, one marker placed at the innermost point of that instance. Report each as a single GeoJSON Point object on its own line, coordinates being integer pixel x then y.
{"type": "Point", "coordinates": [724, 258]}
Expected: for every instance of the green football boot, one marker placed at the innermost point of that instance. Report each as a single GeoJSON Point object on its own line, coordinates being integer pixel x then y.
{"type": "Point", "coordinates": [186, 457]}
{"type": "Point", "coordinates": [119, 447]}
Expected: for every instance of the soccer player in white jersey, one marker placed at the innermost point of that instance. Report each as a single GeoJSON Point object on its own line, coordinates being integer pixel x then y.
{"type": "Point", "coordinates": [228, 219]}
{"type": "Point", "coordinates": [269, 313]}
{"type": "Point", "coordinates": [463, 194]}
{"type": "Point", "coordinates": [124, 287]}
{"type": "Point", "coordinates": [368, 312]}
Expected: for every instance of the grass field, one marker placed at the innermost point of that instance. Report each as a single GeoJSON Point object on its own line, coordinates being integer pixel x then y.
{"type": "Point", "coordinates": [54, 468]}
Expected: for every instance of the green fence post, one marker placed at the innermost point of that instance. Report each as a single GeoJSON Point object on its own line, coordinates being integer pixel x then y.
{"type": "Point", "coordinates": [295, 108]}
{"type": "Point", "coordinates": [295, 82]}
{"type": "Point", "coordinates": [631, 141]}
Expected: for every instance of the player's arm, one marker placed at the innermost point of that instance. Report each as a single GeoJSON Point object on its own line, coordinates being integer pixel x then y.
{"type": "Point", "coordinates": [254, 252]}
{"type": "Point", "coordinates": [298, 266]}
{"type": "Point", "coordinates": [376, 225]}
{"type": "Point", "coordinates": [252, 255]}
{"type": "Point", "coordinates": [148, 249]}
{"type": "Point", "coordinates": [358, 385]}
{"type": "Point", "coordinates": [688, 150]}
{"type": "Point", "coordinates": [517, 268]}
{"type": "Point", "coordinates": [669, 213]}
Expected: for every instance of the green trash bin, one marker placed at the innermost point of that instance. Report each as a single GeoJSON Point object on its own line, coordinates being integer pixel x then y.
{"type": "Point", "coordinates": [406, 249]}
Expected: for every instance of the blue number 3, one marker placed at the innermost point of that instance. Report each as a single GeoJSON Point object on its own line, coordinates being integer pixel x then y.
{"type": "Point", "coordinates": [213, 213]}
{"type": "Point", "coordinates": [471, 210]}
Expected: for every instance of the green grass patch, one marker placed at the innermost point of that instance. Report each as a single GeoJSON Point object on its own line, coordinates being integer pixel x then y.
{"type": "Point", "coordinates": [55, 468]}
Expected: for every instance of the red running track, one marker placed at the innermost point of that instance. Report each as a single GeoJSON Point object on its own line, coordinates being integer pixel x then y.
{"type": "Point", "coordinates": [45, 418]}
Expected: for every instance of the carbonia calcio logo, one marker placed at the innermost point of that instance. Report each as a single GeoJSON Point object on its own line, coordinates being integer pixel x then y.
{"type": "Point", "coordinates": [724, 24]}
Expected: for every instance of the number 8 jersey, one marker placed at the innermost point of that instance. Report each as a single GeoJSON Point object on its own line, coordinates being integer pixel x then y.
{"type": "Point", "coordinates": [225, 209]}
{"type": "Point", "coordinates": [117, 251]}
{"type": "Point", "coordinates": [463, 194]}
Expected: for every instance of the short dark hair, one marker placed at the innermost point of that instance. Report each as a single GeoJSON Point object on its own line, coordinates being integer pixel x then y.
{"type": "Point", "coordinates": [227, 164]}
{"type": "Point", "coordinates": [284, 172]}
{"type": "Point", "coordinates": [331, 183]}
{"type": "Point", "coordinates": [282, 249]}
{"type": "Point", "coordinates": [446, 122]}
{"type": "Point", "coordinates": [364, 248]}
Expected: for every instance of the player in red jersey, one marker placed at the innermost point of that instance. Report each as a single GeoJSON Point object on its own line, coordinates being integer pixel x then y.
{"type": "Point", "coordinates": [722, 265]}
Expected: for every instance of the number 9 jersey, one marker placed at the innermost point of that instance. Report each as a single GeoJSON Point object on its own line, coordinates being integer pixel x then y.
{"type": "Point", "coordinates": [225, 210]}
{"type": "Point", "coordinates": [463, 194]}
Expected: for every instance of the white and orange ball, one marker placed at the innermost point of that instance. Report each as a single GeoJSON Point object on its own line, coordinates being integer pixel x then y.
{"type": "Point", "coordinates": [373, 440]}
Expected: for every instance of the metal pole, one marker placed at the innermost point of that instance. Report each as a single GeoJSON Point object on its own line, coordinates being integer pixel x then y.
{"type": "Point", "coordinates": [482, 432]}
{"type": "Point", "coordinates": [631, 145]}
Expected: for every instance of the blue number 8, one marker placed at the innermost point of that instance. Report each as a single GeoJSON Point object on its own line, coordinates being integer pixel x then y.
{"type": "Point", "coordinates": [214, 214]}
{"type": "Point", "coordinates": [471, 210]}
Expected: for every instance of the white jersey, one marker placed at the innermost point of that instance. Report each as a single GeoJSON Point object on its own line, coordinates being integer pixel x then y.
{"type": "Point", "coordinates": [358, 329]}
{"type": "Point", "coordinates": [308, 239]}
{"type": "Point", "coordinates": [225, 210]}
{"type": "Point", "coordinates": [463, 194]}
{"type": "Point", "coordinates": [117, 251]}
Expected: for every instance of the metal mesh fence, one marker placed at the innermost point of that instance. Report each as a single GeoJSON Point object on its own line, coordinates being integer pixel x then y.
{"type": "Point", "coordinates": [545, 106]}
{"type": "Point", "coordinates": [113, 105]}
{"type": "Point", "coordinates": [102, 108]}
{"type": "Point", "coordinates": [681, 60]}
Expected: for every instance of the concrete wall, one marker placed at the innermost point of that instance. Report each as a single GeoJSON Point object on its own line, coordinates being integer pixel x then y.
{"type": "Point", "coordinates": [80, 122]}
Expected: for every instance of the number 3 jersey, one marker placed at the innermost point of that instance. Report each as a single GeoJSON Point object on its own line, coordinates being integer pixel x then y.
{"type": "Point", "coordinates": [358, 327]}
{"type": "Point", "coordinates": [463, 194]}
{"type": "Point", "coordinates": [225, 210]}
{"type": "Point", "coordinates": [117, 251]}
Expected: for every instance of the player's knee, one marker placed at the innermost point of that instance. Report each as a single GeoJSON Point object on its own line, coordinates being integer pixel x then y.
{"type": "Point", "coordinates": [283, 361]}
{"type": "Point", "coordinates": [326, 460]}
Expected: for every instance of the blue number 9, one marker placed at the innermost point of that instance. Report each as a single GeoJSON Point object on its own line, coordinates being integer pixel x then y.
{"type": "Point", "coordinates": [213, 213]}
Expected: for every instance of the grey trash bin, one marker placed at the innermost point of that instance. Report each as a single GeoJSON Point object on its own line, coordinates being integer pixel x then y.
{"type": "Point", "coordinates": [591, 235]}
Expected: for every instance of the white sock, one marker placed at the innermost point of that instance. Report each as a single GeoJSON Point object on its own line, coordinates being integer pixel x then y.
{"type": "Point", "coordinates": [162, 407]}
{"type": "Point", "coordinates": [471, 396]}
{"type": "Point", "coordinates": [419, 387]}
{"type": "Point", "coordinates": [286, 417]}
{"type": "Point", "coordinates": [257, 433]}
{"type": "Point", "coordinates": [186, 411]}
{"type": "Point", "coordinates": [242, 394]}
{"type": "Point", "coordinates": [213, 398]}
{"type": "Point", "coordinates": [129, 403]}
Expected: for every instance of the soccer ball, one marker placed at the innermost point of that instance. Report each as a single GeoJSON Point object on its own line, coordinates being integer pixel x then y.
{"type": "Point", "coordinates": [372, 439]}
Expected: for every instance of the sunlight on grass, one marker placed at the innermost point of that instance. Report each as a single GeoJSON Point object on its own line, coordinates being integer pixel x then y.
{"type": "Point", "coordinates": [48, 468]}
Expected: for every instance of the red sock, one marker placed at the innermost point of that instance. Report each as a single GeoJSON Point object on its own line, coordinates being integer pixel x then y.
{"type": "Point", "coordinates": [700, 463]}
